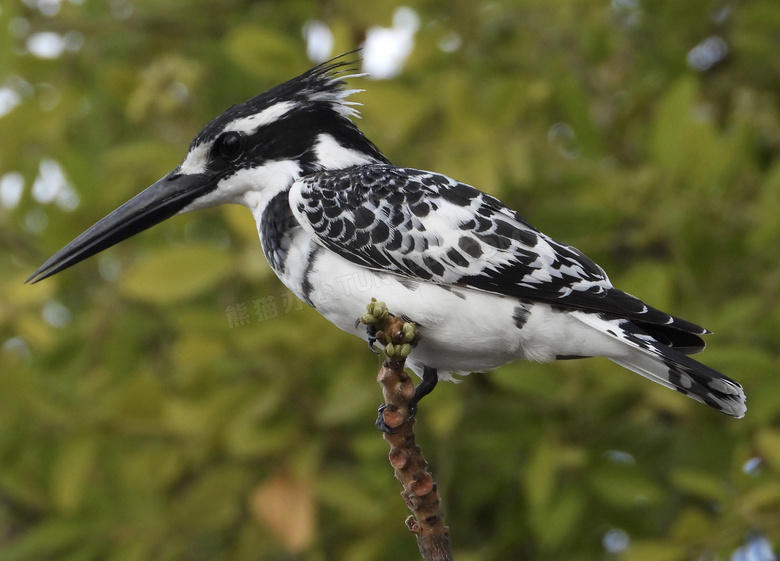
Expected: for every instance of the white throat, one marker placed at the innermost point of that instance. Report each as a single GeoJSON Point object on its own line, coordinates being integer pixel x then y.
{"type": "Point", "coordinates": [256, 187]}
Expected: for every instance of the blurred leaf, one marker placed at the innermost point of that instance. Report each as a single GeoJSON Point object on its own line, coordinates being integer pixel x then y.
{"type": "Point", "coordinates": [338, 408]}
{"type": "Point", "coordinates": [17, 294]}
{"type": "Point", "coordinates": [127, 178]}
{"type": "Point", "coordinates": [393, 128]}
{"type": "Point", "coordinates": [762, 498]}
{"type": "Point", "coordinates": [768, 446]}
{"type": "Point", "coordinates": [337, 491]}
{"type": "Point", "coordinates": [140, 428]}
{"type": "Point", "coordinates": [160, 89]}
{"type": "Point", "coordinates": [540, 475]}
{"type": "Point", "coordinates": [654, 551]}
{"type": "Point", "coordinates": [172, 274]}
{"type": "Point", "coordinates": [72, 472]}
{"type": "Point", "coordinates": [700, 484]}
{"type": "Point", "coordinates": [286, 507]}
{"type": "Point", "coordinates": [197, 350]}
{"type": "Point", "coordinates": [211, 503]}
{"type": "Point", "coordinates": [241, 222]}
{"type": "Point", "coordinates": [35, 330]}
{"type": "Point", "coordinates": [263, 52]}
{"type": "Point", "coordinates": [141, 400]}
{"type": "Point", "coordinates": [47, 539]}
{"type": "Point", "coordinates": [531, 380]}
{"type": "Point", "coordinates": [561, 517]}
{"type": "Point", "coordinates": [623, 486]}
{"type": "Point", "coordinates": [651, 282]}
{"type": "Point", "coordinates": [249, 437]}
{"type": "Point", "coordinates": [669, 135]}
{"type": "Point", "coordinates": [692, 525]}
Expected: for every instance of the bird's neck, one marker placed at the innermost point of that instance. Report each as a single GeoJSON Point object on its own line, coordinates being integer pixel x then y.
{"type": "Point", "coordinates": [331, 152]}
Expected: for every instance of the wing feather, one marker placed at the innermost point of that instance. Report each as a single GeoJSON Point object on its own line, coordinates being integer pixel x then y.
{"type": "Point", "coordinates": [429, 227]}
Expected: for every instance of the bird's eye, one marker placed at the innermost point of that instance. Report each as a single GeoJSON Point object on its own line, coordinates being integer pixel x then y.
{"type": "Point", "coordinates": [229, 146]}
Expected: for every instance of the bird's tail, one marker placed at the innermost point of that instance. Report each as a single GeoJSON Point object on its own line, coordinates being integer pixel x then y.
{"type": "Point", "coordinates": [671, 368]}
{"type": "Point", "coordinates": [679, 372]}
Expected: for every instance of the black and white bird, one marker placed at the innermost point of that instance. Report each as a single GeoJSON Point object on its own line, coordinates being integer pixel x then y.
{"type": "Point", "coordinates": [340, 224]}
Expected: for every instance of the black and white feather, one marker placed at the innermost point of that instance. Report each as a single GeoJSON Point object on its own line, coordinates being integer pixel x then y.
{"type": "Point", "coordinates": [339, 225]}
{"type": "Point", "coordinates": [428, 228]}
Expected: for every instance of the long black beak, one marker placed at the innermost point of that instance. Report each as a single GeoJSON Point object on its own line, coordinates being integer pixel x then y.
{"type": "Point", "coordinates": [162, 200]}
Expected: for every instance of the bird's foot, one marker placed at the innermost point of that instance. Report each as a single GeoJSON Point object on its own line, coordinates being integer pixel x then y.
{"type": "Point", "coordinates": [390, 417]}
{"type": "Point", "coordinates": [372, 338]}
{"type": "Point", "coordinates": [388, 413]}
{"type": "Point", "coordinates": [396, 339]}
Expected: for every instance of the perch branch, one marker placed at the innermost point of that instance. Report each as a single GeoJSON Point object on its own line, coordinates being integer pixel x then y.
{"type": "Point", "coordinates": [420, 492]}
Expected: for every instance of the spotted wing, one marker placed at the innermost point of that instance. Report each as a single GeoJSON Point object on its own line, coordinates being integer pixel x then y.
{"type": "Point", "coordinates": [430, 227]}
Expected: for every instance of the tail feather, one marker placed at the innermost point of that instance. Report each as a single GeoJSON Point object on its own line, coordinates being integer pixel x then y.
{"type": "Point", "coordinates": [654, 360]}
{"type": "Point", "coordinates": [688, 377]}
{"type": "Point", "coordinates": [672, 335]}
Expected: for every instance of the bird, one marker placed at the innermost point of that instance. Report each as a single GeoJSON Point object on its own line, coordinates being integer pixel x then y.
{"type": "Point", "coordinates": [339, 224]}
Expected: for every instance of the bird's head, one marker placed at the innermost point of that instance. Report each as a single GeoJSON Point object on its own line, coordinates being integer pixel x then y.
{"type": "Point", "coordinates": [246, 155]}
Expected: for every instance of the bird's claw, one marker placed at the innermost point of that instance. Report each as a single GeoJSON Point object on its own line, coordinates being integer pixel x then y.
{"type": "Point", "coordinates": [380, 421]}
{"type": "Point", "coordinates": [372, 338]}
{"type": "Point", "coordinates": [376, 313]}
{"type": "Point", "coordinates": [387, 429]}
{"type": "Point", "coordinates": [371, 341]}
{"type": "Point", "coordinates": [398, 337]}
{"type": "Point", "coordinates": [430, 377]}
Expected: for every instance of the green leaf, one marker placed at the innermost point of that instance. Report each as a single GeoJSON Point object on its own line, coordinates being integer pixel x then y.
{"type": "Point", "coordinates": [264, 52]}
{"type": "Point", "coordinates": [541, 474]}
{"type": "Point", "coordinates": [700, 484]}
{"type": "Point", "coordinates": [768, 445]}
{"type": "Point", "coordinates": [559, 519]}
{"type": "Point", "coordinates": [623, 486]}
{"type": "Point", "coordinates": [655, 551]}
{"type": "Point", "coordinates": [72, 471]}
{"type": "Point", "coordinates": [671, 133]}
{"type": "Point", "coordinates": [46, 539]}
{"type": "Point", "coordinates": [173, 274]}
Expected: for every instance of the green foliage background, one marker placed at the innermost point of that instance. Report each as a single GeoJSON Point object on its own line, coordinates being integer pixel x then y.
{"type": "Point", "coordinates": [136, 424]}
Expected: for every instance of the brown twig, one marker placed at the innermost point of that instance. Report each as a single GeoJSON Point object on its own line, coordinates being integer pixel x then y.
{"type": "Point", "coordinates": [420, 492]}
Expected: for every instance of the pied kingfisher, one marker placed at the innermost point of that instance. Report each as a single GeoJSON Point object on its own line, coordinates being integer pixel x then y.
{"type": "Point", "coordinates": [484, 287]}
